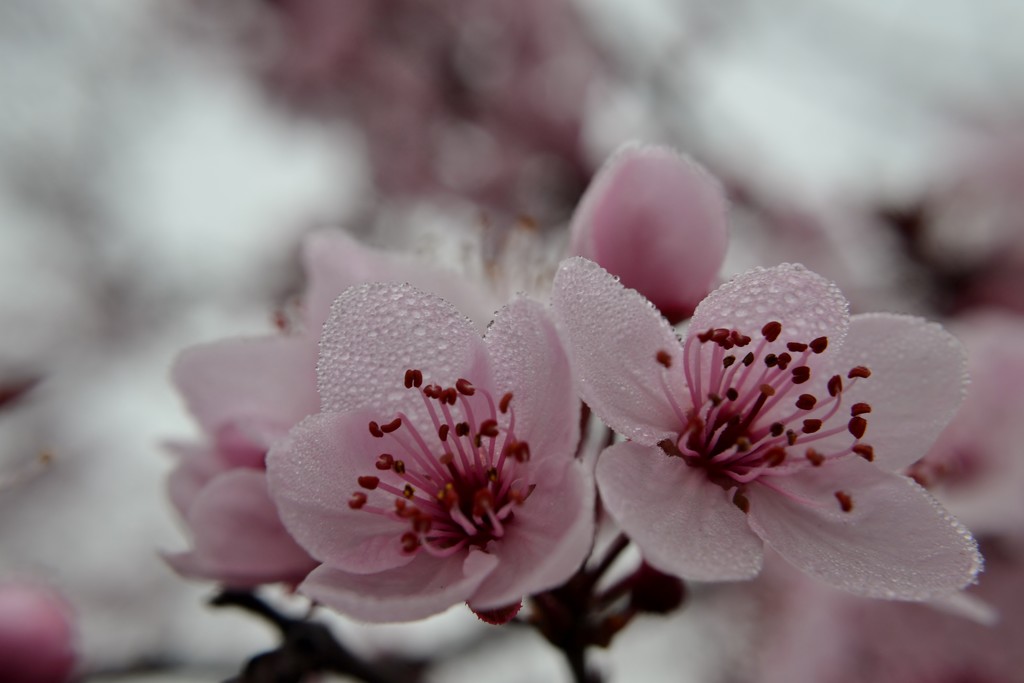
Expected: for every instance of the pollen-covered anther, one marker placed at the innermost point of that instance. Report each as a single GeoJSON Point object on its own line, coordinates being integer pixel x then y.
{"type": "Point", "coordinates": [811, 426]}
{"type": "Point", "coordinates": [806, 402]}
{"type": "Point", "coordinates": [489, 428]}
{"type": "Point", "coordinates": [860, 409]}
{"type": "Point", "coordinates": [815, 458]}
{"type": "Point", "coordinates": [369, 482]}
{"type": "Point", "coordinates": [357, 500]}
{"type": "Point", "coordinates": [385, 461]}
{"type": "Point", "coordinates": [859, 371]}
{"type": "Point", "coordinates": [399, 467]}
{"type": "Point", "coordinates": [767, 390]}
{"type": "Point", "coordinates": [772, 330]}
{"type": "Point", "coordinates": [865, 451]}
{"type": "Point", "coordinates": [664, 358]}
{"type": "Point", "coordinates": [464, 387]}
{"type": "Point", "coordinates": [845, 501]}
{"type": "Point", "coordinates": [409, 492]}
{"type": "Point", "coordinates": [857, 426]}
{"type": "Point", "coordinates": [801, 374]}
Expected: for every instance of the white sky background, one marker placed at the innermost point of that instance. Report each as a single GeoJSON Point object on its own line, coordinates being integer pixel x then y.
{"type": "Point", "coordinates": [150, 198]}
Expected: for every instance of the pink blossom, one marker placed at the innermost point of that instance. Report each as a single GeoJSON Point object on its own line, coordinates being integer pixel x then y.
{"type": "Point", "coordinates": [656, 220]}
{"type": "Point", "coordinates": [246, 394]}
{"type": "Point", "coordinates": [37, 639]}
{"type": "Point", "coordinates": [441, 467]}
{"type": "Point", "coordinates": [755, 429]}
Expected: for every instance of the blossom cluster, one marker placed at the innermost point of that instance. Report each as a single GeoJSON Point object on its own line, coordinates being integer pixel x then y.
{"type": "Point", "coordinates": [389, 461]}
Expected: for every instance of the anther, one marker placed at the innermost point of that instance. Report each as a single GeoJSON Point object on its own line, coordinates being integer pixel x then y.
{"type": "Point", "coordinates": [462, 429]}
{"type": "Point", "coordinates": [739, 339]}
{"type": "Point", "coordinates": [771, 360]}
{"type": "Point", "coordinates": [796, 347]}
{"type": "Point", "coordinates": [819, 345]}
{"type": "Point", "coordinates": [492, 474]}
{"type": "Point", "coordinates": [505, 401]}
{"type": "Point", "coordinates": [801, 374]}
{"type": "Point", "coordinates": [442, 432]}
{"type": "Point", "coordinates": [399, 467]}
{"type": "Point", "coordinates": [772, 330]}
{"type": "Point", "coordinates": [410, 542]}
{"type": "Point", "coordinates": [482, 502]}
{"type": "Point", "coordinates": [741, 501]}
{"type": "Point", "coordinates": [391, 426]}
{"type": "Point", "coordinates": [375, 430]}
{"type": "Point", "coordinates": [664, 357]}
{"type": "Point", "coordinates": [811, 426]}
{"type": "Point", "coordinates": [408, 492]}
{"type": "Point", "coordinates": [857, 426]}
{"type": "Point", "coordinates": [519, 450]}
{"type": "Point", "coordinates": [865, 451]}
{"type": "Point", "coordinates": [835, 386]}
{"type": "Point", "coordinates": [859, 371]}
{"type": "Point", "coordinates": [845, 501]}
{"type": "Point", "coordinates": [728, 361]}
{"type": "Point", "coordinates": [790, 437]}
{"type": "Point", "coordinates": [385, 461]}
{"type": "Point", "coordinates": [806, 402]}
{"type": "Point", "coordinates": [732, 394]}
{"type": "Point", "coordinates": [815, 458]}
{"type": "Point", "coordinates": [413, 378]}
{"type": "Point", "coordinates": [368, 482]}
{"type": "Point", "coordinates": [767, 390]}
{"type": "Point", "coordinates": [449, 396]}
{"type": "Point", "coordinates": [715, 399]}
{"type": "Point", "coordinates": [670, 448]}
{"type": "Point", "coordinates": [784, 359]}
{"type": "Point", "coordinates": [489, 428]}
{"type": "Point", "coordinates": [357, 500]}
{"type": "Point", "coordinates": [860, 409]}
{"type": "Point", "coordinates": [775, 456]}
{"type": "Point", "coordinates": [777, 428]}
{"type": "Point", "coordinates": [748, 359]}
{"type": "Point", "coordinates": [464, 387]}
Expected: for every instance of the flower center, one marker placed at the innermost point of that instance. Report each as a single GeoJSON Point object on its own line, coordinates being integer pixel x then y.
{"type": "Point", "coordinates": [457, 486]}
{"type": "Point", "coordinates": [751, 418]}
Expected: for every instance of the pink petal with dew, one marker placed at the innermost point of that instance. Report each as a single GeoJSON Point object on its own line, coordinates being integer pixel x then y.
{"type": "Point", "coordinates": [313, 474]}
{"type": "Point", "coordinates": [918, 380]}
{"type": "Point", "coordinates": [895, 541]}
{"type": "Point", "coordinates": [377, 332]}
{"type": "Point", "coordinates": [197, 465]}
{"type": "Point", "coordinates": [614, 335]}
{"type": "Point", "coordinates": [682, 523]}
{"type": "Point", "coordinates": [528, 358]}
{"type": "Point", "coordinates": [37, 636]}
{"type": "Point", "coordinates": [336, 261]}
{"type": "Point", "coordinates": [238, 538]}
{"type": "Point", "coordinates": [546, 542]}
{"type": "Point", "coordinates": [424, 587]}
{"type": "Point", "coordinates": [657, 220]}
{"type": "Point", "coordinates": [260, 387]}
{"type": "Point", "coordinates": [807, 305]}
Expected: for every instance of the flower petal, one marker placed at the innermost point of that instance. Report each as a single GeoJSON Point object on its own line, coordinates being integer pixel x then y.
{"type": "Point", "coordinates": [896, 542]}
{"type": "Point", "coordinates": [197, 465]}
{"type": "Point", "coordinates": [257, 387]}
{"type": "Point", "coordinates": [529, 360]}
{"type": "Point", "coordinates": [682, 523]}
{"type": "Point", "coordinates": [238, 538]}
{"type": "Point", "coordinates": [546, 542]}
{"type": "Point", "coordinates": [613, 335]}
{"type": "Point", "coordinates": [807, 305]}
{"type": "Point", "coordinates": [424, 587]}
{"type": "Point", "coordinates": [657, 220]}
{"type": "Point", "coordinates": [336, 261]}
{"type": "Point", "coordinates": [378, 331]}
{"type": "Point", "coordinates": [918, 378]}
{"type": "Point", "coordinates": [313, 473]}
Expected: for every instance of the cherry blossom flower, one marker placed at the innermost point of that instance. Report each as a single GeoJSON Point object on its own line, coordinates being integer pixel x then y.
{"type": "Point", "coordinates": [37, 637]}
{"type": "Point", "coordinates": [441, 468]}
{"type": "Point", "coordinates": [755, 429]}
{"type": "Point", "coordinates": [657, 220]}
{"type": "Point", "coordinates": [246, 394]}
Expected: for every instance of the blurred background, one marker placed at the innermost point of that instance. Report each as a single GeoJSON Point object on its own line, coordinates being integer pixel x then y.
{"type": "Point", "coordinates": [160, 163]}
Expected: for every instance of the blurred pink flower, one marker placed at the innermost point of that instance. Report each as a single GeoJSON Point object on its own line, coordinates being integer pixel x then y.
{"type": "Point", "coordinates": [975, 467]}
{"type": "Point", "coordinates": [656, 220]}
{"type": "Point", "coordinates": [755, 430]}
{"type": "Point", "coordinates": [442, 467]}
{"type": "Point", "coordinates": [246, 394]}
{"type": "Point", "coordinates": [37, 637]}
